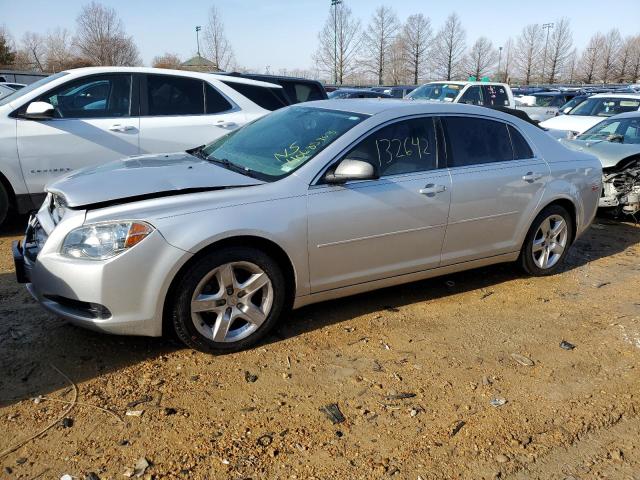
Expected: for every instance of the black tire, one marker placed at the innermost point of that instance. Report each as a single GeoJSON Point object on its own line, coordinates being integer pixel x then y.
{"type": "Point", "coordinates": [180, 301]}
{"type": "Point", "coordinates": [526, 259]}
{"type": "Point", "coordinates": [4, 204]}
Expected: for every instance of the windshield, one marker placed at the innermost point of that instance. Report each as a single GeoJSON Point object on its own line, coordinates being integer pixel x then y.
{"type": "Point", "coordinates": [605, 106]}
{"type": "Point", "coordinates": [281, 142]}
{"type": "Point", "coordinates": [30, 88]}
{"type": "Point", "coordinates": [619, 130]}
{"type": "Point", "coordinates": [567, 107]}
{"type": "Point", "coordinates": [442, 92]}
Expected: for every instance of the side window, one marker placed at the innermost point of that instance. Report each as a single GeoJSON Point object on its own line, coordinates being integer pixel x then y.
{"type": "Point", "coordinates": [521, 149]}
{"type": "Point", "coordinates": [168, 95]}
{"type": "Point", "coordinates": [473, 141]}
{"type": "Point", "coordinates": [268, 98]}
{"type": "Point", "coordinates": [495, 96]}
{"type": "Point", "coordinates": [404, 147]}
{"type": "Point", "coordinates": [215, 101]}
{"type": "Point", "coordinates": [92, 97]}
{"type": "Point", "coordinates": [472, 96]}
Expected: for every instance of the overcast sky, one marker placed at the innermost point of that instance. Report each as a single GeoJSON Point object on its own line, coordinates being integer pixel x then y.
{"type": "Point", "coordinates": [283, 33]}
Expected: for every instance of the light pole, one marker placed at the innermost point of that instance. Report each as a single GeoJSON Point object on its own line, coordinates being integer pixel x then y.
{"type": "Point", "coordinates": [499, 59]}
{"type": "Point", "coordinates": [547, 27]}
{"type": "Point", "coordinates": [198, 28]}
{"type": "Point", "coordinates": [334, 4]}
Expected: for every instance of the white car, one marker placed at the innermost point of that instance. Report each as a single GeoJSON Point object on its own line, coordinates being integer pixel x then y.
{"type": "Point", "coordinates": [488, 94]}
{"type": "Point", "coordinates": [592, 111]}
{"type": "Point", "coordinates": [89, 116]}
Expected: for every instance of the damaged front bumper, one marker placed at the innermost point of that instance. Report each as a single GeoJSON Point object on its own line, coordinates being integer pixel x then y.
{"type": "Point", "coordinates": [621, 188]}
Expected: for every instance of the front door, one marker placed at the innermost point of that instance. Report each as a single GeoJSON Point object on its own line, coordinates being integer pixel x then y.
{"type": "Point", "coordinates": [369, 230]}
{"type": "Point", "coordinates": [497, 182]}
{"type": "Point", "coordinates": [95, 121]}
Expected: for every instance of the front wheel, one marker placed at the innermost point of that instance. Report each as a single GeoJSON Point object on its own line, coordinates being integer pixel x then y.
{"type": "Point", "coordinates": [547, 242]}
{"type": "Point", "coordinates": [228, 300]}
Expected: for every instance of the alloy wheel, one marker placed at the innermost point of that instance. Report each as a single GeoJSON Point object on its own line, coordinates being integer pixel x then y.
{"type": "Point", "coordinates": [550, 241]}
{"type": "Point", "coordinates": [232, 301]}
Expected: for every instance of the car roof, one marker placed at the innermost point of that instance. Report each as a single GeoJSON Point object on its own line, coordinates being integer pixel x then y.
{"type": "Point", "coordinates": [167, 71]}
{"type": "Point", "coordinates": [466, 82]}
{"type": "Point", "coordinates": [374, 106]}
{"type": "Point", "coordinates": [634, 96]}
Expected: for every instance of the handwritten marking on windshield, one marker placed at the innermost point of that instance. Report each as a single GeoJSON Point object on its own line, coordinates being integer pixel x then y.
{"type": "Point", "coordinates": [293, 153]}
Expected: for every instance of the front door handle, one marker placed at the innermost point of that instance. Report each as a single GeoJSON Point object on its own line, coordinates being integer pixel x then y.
{"type": "Point", "coordinates": [223, 124]}
{"type": "Point", "coordinates": [121, 128]}
{"type": "Point", "coordinates": [531, 177]}
{"type": "Point", "coordinates": [431, 189]}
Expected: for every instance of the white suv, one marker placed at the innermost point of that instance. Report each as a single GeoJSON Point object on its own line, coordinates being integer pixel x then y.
{"type": "Point", "coordinates": [89, 116]}
{"type": "Point", "coordinates": [488, 94]}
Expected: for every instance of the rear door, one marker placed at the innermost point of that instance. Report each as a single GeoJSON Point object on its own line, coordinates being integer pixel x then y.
{"type": "Point", "coordinates": [178, 113]}
{"type": "Point", "coordinates": [95, 121]}
{"type": "Point", "coordinates": [373, 229]}
{"type": "Point", "coordinates": [497, 182]}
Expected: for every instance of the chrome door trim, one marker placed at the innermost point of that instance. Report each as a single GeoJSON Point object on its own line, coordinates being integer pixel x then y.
{"type": "Point", "coordinates": [486, 217]}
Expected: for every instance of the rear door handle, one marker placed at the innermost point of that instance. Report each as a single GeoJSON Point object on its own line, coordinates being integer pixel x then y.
{"type": "Point", "coordinates": [223, 124]}
{"type": "Point", "coordinates": [531, 177]}
{"type": "Point", "coordinates": [121, 128]}
{"type": "Point", "coordinates": [431, 189]}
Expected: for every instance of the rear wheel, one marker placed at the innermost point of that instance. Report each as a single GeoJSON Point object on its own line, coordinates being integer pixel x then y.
{"type": "Point", "coordinates": [228, 300]}
{"type": "Point", "coordinates": [547, 241]}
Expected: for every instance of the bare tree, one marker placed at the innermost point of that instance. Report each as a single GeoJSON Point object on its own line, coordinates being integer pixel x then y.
{"type": "Point", "coordinates": [625, 58]}
{"type": "Point", "coordinates": [481, 58]}
{"type": "Point", "coordinates": [339, 59]}
{"type": "Point", "coordinates": [527, 52]}
{"type": "Point", "coordinates": [417, 36]}
{"type": "Point", "coordinates": [31, 53]}
{"type": "Point", "coordinates": [166, 60]}
{"type": "Point", "coordinates": [398, 66]}
{"type": "Point", "coordinates": [377, 41]}
{"type": "Point", "coordinates": [217, 46]}
{"type": "Point", "coordinates": [590, 59]}
{"type": "Point", "coordinates": [634, 62]}
{"type": "Point", "coordinates": [508, 61]}
{"type": "Point", "coordinates": [448, 48]}
{"type": "Point", "coordinates": [609, 55]}
{"type": "Point", "coordinates": [101, 39]}
{"type": "Point", "coordinates": [560, 48]}
{"type": "Point", "coordinates": [60, 53]}
{"type": "Point", "coordinates": [569, 70]}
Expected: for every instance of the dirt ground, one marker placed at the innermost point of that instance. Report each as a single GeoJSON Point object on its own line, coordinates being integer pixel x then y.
{"type": "Point", "coordinates": [413, 370]}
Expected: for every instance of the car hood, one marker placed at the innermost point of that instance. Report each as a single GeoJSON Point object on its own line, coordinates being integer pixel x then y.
{"type": "Point", "coordinates": [609, 153]}
{"type": "Point", "coordinates": [144, 177]}
{"type": "Point", "coordinates": [574, 123]}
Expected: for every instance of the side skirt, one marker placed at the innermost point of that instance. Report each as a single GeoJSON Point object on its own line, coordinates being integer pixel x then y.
{"type": "Point", "coordinates": [400, 279]}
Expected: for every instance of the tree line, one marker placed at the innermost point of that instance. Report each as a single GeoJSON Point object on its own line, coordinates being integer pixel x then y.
{"type": "Point", "coordinates": [383, 51]}
{"type": "Point", "coordinates": [387, 51]}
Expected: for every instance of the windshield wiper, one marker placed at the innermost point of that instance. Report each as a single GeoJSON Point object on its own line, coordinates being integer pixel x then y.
{"type": "Point", "coordinates": [229, 165]}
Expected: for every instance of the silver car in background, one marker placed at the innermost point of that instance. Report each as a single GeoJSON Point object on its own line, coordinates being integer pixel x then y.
{"type": "Point", "coordinates": [310, 203]}
{"type": "Point", "coordinates": [616, 143]}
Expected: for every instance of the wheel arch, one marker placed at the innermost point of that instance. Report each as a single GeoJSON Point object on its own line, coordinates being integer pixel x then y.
{"type": "Point", "coordinates": [260, 243]}
{"type": "Point", "coordinates": [11, 194]}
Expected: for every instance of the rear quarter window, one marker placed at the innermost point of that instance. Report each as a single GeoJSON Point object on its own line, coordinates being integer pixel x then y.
{"type": "Point", "coordinates": [521, 149]}
{"type": "Point", "coordinates": [268, 98]}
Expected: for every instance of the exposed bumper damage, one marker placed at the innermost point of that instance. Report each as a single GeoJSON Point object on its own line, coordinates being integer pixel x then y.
{"type": "Point", "coordinates": [621, 188]}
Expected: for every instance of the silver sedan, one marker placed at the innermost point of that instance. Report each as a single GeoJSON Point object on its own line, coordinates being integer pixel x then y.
{"type": "Point", "coordinates": [310, 203]}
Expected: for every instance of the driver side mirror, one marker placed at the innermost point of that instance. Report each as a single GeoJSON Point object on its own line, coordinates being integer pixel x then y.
{"type": "Point", "coordinates": [352, 169]}
{"type": "Point", "coordinates": [39, 111]}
